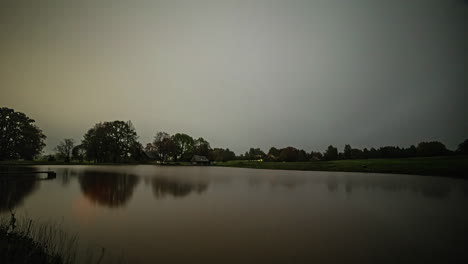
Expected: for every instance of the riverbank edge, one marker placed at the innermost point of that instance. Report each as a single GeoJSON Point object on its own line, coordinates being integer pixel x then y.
{"type": "Point", "coordinates": [443, 166]}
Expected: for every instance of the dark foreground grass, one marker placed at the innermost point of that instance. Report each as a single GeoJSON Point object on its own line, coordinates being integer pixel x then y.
{"type": "Point", "coordinates": [36, 242]}
{"type": "Point", "coordinates": [452, 166]}
{"type": "Point", "coordinates": [25, 241]}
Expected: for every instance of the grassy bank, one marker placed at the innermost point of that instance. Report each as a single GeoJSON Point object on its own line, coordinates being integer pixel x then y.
{"type": "Point", "coordinates": [23, 240]}
{"type": "Point", "coordinates": [453, 166]}
{"type": "Point", "coordinates": [26, 241]}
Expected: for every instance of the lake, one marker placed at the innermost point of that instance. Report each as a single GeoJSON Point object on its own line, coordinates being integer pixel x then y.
{"type": "Point", "coordinates": [163, 214]}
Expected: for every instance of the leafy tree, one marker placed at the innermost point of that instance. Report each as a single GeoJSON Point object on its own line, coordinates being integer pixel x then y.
{"type": "Point", "coordinates": [51, 158]}
{"type": "Point", "coordinates": [64, 149]}
{"type": "Point", "coordinates": [288, 154]}
{"type": "Point", "coordinates": [163, 146]}
{"type": "Point", "coordinates": [110, 142]}
{"type": "Point", "coordinates": [373, 154]}
{"type": "Point", "coordinates": [151, 150]}
{"type": "Point", "coordinates": [136, 152]}
{"type": "Point", "coordinates": [202, 147]}
{"type": "Point", "coordinates": [20, 138]}
{"type": "Point", "coordinates": [273, 154]}
{"type": "Point", "coordinates": [412, 151]}
{"type": "Point", "coordinates": [463, 147]}
{"type": "Point", "coordinates": [356, 153]}
{"type": "Point", "coordinates": [331, 153]}
{"type": "Point", "coordinates": [433, 148]}
{"type": "Point", "coordinates": [347, 152]}
{"type": "Point", "coordinates": [78, 153]}
{"type": "Point", "coordinates": [219, 154]}
{"type": "Point", "coordinates": [302, 155]}
{"type": "Point", "coordinates": [184, 146]}
{"type": "Point", "coordinates": [255, 154]}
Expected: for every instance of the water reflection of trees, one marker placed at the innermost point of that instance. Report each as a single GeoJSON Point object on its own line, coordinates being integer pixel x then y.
{"type": "Point", "coordinates": [163, 187]}
{"type": "Point", "coordinates": [428, 187]}
{"type": "Point", "coordinates": [14, 190]}
{"type": "Point", "coordinates": [108, 188]}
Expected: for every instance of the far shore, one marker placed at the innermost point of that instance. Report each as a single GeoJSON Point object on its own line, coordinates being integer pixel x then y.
{"type": "Point", "coordinates": [447, 166]}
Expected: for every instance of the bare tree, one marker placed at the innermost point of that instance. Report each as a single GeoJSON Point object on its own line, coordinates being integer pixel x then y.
{"type": "Point", "coordinates": [64, 148]}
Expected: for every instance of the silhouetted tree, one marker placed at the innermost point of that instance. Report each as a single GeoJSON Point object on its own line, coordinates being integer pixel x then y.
{"type": "Point", "coordinates": [184, 146]}
{"type": "Point", "coordinates": [302, 155]}
{"type": "Point", "coordinates": [150, 149]}
{"type": "Point", "coordinates": [411, 151]}
{"type": "Point", "coordinates": [51, 158]}
{"type": "Point", "coordinates": [463, 148]}
{"type": "Point", "coordinates": [110, 142]}
{"type": "Point", "coordinates": [331, 153]}
{"type": "Point", "coordinates": [273, 154]}
{"type": "Point", "coordinates": [219, 154]}
{"type": "Point", "coordinates": [163, 146]}
{"type": "Point", "coordinates": [136, 152]}
{"type": "Point", "coordinates": [433, 148]}
{"type": "Point", "coordinates": [254, 154]}
{"type": "Point", "coordinates": [347, 152]}
{"type": "Point", "coordinates": [78, 153]}
{"type": "Point", "coordinates": [201, 147]}
{"type": "Point", "coordinates": [64, 149]}
{"type": "Point", "coordinates": [288, 154]}
{"type": "Point", "coordinates": [373, 153]}
{"type": "Point", "coordinates": [20, 138]}
{"type": "Point", "coordinates": [356, 153]}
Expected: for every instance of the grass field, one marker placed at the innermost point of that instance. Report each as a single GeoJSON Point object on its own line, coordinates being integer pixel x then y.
{"type": "Point", "coordinates": [453, 166]}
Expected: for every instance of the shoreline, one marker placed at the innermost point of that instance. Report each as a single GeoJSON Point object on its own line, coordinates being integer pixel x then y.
{"type": "Point", "coordinates": [442, 166]}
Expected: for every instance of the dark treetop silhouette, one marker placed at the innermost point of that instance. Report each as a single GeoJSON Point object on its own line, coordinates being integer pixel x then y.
{"type": "Point", "coordinates": [20, 138]}
{"type": "Point", "coordinates": [117, 142]}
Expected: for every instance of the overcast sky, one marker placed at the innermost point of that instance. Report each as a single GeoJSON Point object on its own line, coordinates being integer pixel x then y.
{"type": "Point", "coordinates": [241, 73]}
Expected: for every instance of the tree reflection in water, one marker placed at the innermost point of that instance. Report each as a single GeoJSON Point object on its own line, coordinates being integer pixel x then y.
{"type": "Point", "coordinates": [106, 188]}
{"type": "Point", "coordinates": [163, 187]}
{"type": "Point", "coordinates": [14, 190]}
{"type": "Point", "coordinates": [428, 187]}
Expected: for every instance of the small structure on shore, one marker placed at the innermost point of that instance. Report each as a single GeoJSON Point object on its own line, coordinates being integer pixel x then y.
{"type": "Point", "coordinates": [200, 160]}
{"type": "Point", "coordinates": [148, 156]}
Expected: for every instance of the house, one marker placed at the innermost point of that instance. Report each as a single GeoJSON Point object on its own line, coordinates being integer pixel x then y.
{"type": "Point", "coordinates": [200, 160]}
{"type": "Point", "coordinates": [148, 156]}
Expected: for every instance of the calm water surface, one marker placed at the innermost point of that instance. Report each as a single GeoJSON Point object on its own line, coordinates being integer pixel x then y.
{"type": "Point", "coordinates": [154, 214]}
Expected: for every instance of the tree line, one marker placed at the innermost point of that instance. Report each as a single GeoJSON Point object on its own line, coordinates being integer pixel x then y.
{"type": "Point", "coordinates": [117, 142]}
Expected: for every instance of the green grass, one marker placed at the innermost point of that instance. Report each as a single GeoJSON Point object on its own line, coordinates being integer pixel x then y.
{"type": "Point", "coordinates": [453, 166]}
